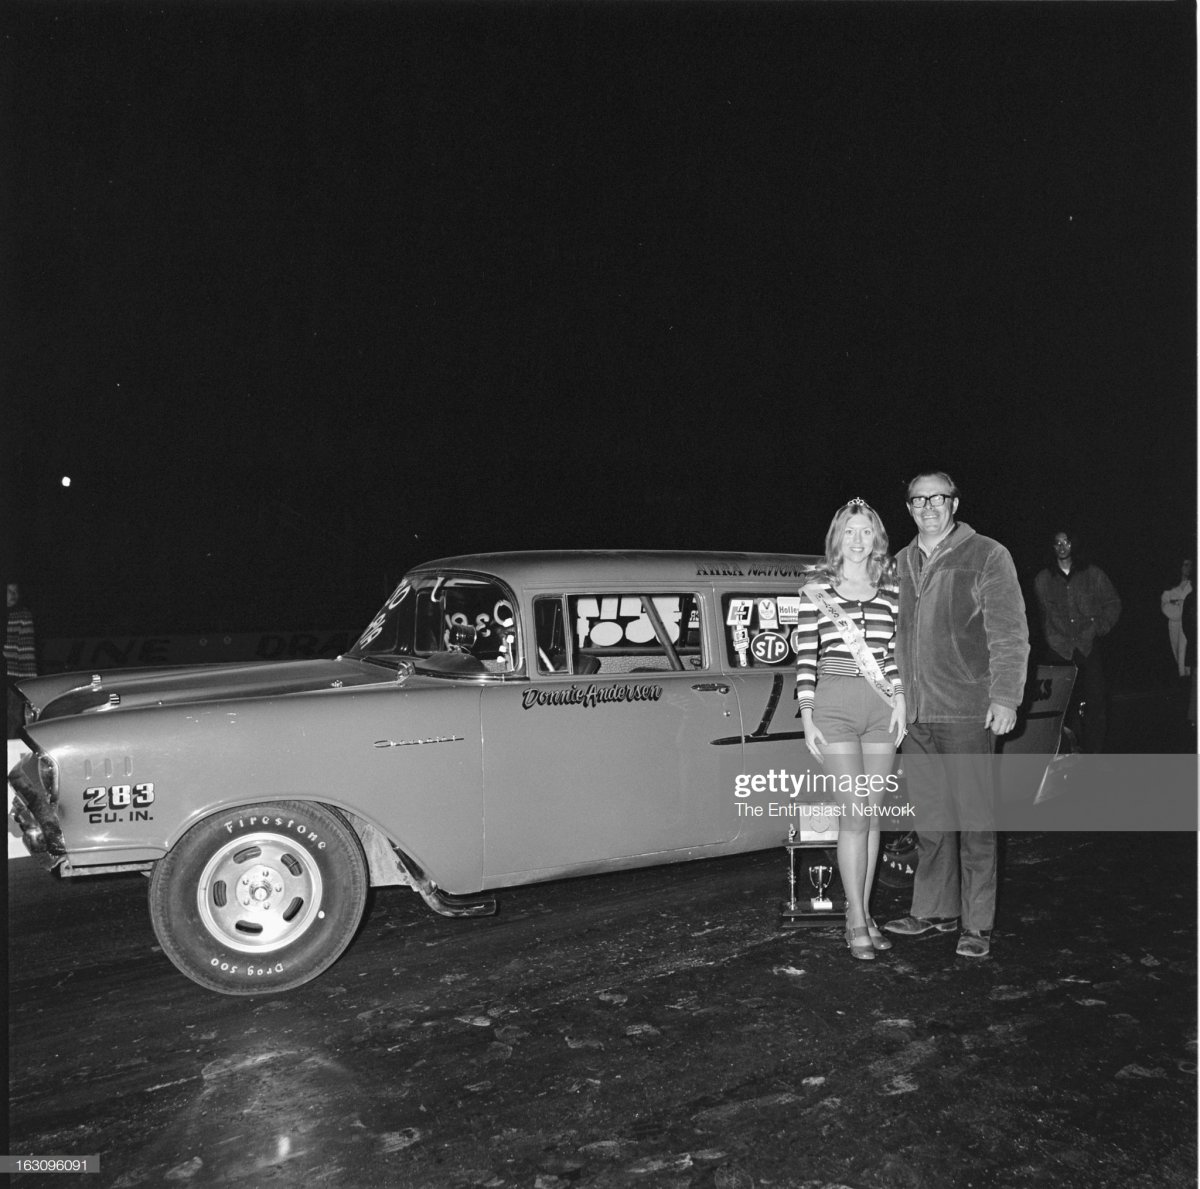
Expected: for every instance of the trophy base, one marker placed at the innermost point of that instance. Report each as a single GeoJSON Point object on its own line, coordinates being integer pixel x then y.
{"type": "Point", "coordinates": [805, 914]}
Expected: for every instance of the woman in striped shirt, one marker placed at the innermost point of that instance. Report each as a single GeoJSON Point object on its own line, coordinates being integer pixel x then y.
{"type": "Point", "coordinates": [851, 699]}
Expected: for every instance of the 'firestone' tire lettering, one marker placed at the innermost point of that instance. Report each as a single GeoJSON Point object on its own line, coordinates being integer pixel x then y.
{"type": "Point", "coordinates": [301, 829]}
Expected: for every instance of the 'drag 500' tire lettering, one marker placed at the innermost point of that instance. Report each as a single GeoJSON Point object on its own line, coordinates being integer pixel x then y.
{"type": "Point", "coordinates": [260, 902]}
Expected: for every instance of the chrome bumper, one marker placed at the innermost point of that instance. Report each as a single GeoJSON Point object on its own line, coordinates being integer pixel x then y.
{"type": "Point", "coordinates": [36, 815]}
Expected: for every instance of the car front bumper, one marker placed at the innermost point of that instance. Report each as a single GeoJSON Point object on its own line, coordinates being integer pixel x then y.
{"type": "Point", "coordinates": [35, 812]}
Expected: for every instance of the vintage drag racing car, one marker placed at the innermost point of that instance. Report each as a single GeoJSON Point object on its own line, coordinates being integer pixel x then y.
{"type": "Point", "coordinates": [504, 719]}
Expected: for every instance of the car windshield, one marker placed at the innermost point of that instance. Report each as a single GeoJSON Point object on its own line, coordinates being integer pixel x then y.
{"type": "Point", "coordinates": [446, 625]}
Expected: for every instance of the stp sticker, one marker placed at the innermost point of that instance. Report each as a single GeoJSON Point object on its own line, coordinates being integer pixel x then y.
{"type": "Point", "coordinates": [771, 648]}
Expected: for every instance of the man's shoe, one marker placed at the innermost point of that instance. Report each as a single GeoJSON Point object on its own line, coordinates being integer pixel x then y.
{"type": "Point", "coordinates": [973, 945]}
{"type": "Point", "coordinates": [915, 926]}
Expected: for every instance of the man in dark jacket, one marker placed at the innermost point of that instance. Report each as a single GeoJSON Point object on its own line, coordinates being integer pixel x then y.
{"type": "Point", "coordinates": [962, 646]}
{"type": "Point", "coordinates": [1079, 606]}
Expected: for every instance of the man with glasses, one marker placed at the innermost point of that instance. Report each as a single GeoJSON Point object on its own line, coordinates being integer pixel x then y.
{"type": "Point", "coordinates": [962, 646]}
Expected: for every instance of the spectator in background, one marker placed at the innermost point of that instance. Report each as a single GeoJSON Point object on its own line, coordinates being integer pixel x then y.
{"type": "Point", "coordinates": [1079, 606]}
{"type": "Point", "coordinates": [1172, 608]}
{"type": "Point", "coordinates": [1189, 661]}
{"type": "Point", "coordinates": [20, 658]}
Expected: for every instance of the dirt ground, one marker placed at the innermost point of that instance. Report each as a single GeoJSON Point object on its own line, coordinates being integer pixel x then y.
{"type": "Point", "coordinates": [649, 1028]}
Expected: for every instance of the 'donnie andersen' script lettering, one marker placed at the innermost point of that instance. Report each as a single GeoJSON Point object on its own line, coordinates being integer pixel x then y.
{"type": "Point", "coordinates": [590, 695]}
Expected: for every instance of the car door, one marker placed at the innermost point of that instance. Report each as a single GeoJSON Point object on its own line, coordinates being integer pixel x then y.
{"type": "Point", "coordinates": [756, 626]}
{"type": "Point", "coordinates": [606, 757]}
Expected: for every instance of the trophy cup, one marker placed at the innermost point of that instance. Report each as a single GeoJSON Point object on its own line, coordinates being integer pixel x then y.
{"type": "Point", "coordinates": [820, 875]}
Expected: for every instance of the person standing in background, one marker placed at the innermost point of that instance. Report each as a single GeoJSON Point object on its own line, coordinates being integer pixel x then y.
{"type": "Point", "coordinates": [20, 654]}
{"type": "Point", "coordinates": [1172, 608]}
{"type": "Point", "coordinates": [1079, 606]}
{"type": "Point", "coordinates": [1189, 663]}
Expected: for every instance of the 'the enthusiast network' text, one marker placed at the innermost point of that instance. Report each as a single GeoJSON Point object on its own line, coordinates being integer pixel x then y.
{"type": "Point", "coordinates": [783, 781]}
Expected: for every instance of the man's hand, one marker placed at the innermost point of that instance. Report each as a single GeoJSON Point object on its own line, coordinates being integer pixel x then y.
{"type": "Point", "coordinates": [1000, 718]}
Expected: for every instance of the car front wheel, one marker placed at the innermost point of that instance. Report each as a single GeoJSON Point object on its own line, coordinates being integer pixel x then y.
{"type": "Point", "coordinates": [260, 899]}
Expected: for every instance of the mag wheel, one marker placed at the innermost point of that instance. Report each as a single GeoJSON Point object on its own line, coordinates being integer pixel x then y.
{"type": "Point", "coordinates": [259, 900]}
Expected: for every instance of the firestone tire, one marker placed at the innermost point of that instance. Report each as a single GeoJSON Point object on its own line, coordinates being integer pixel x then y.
{"type": "Point", "coordinates": [261, 899]}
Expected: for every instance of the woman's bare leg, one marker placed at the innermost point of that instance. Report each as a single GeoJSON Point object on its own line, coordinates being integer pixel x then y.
{"type": "Point", "coordinates": [846, 760]}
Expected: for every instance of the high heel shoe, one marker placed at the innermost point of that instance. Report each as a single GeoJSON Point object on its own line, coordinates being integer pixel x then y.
{"type": "Point", "coordinates": [864, 951]}
{"type": "Point", "coordinates": [877, 939]}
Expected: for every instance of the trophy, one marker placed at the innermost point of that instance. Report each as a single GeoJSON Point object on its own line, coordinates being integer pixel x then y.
{"type": "Point", "coordinates": [819, 909]}
{"type": "Point", "coordinates": [819, 875]}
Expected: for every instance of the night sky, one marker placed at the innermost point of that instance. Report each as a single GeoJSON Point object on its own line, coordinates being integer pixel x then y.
{"type": "Point", "coordinates": [302, 294]}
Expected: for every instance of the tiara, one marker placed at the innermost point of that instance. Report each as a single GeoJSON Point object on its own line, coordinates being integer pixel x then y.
{"type": "Point", "coordinates": [857, 501]}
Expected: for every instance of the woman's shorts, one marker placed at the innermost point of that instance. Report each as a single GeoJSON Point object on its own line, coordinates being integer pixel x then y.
{"type": "Point", "coordinates": [848, 710]}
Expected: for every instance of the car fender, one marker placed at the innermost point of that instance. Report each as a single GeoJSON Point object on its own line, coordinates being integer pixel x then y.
{"type": "Point", "coordinates": [412, 768]}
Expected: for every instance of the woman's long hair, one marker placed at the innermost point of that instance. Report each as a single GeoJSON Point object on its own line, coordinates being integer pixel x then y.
{"type": "Point", "coordinates": [881, 566]}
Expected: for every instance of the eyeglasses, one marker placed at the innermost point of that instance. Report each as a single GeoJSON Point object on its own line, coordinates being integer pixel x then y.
{"type": "Point", "coordinates": [934, 501]}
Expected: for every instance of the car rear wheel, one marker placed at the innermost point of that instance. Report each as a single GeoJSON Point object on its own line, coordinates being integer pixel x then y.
{"type": "Point", "coordinates": [261, 899]}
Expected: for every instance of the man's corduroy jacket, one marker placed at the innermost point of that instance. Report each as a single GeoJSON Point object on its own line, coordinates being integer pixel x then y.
{"type": "Point", "coordinates": [962, 641]}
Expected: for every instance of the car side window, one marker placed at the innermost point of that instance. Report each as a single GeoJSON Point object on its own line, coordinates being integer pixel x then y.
{"type": "Point", "coordinates": [621, 632]}
{"type": "Point", "coordinates": [465, 625]}
{"type": "Point", "coordinates": [471, 618]}
{"type": "Point", "coordinates": [758, 629]}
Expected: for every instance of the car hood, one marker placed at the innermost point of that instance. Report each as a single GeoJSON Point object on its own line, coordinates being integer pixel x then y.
{"type": "Point", "coordinates": [114, 690]}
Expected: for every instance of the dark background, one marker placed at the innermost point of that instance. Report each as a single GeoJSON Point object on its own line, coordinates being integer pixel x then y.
{"type": "Point", "coordinates": [302, 294]}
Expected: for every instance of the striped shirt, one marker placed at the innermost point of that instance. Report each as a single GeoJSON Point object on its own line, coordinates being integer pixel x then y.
{"type": "Point", "coordinates": [20, 659]}
{"type": "Point", "coordinates": [820, 647]}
